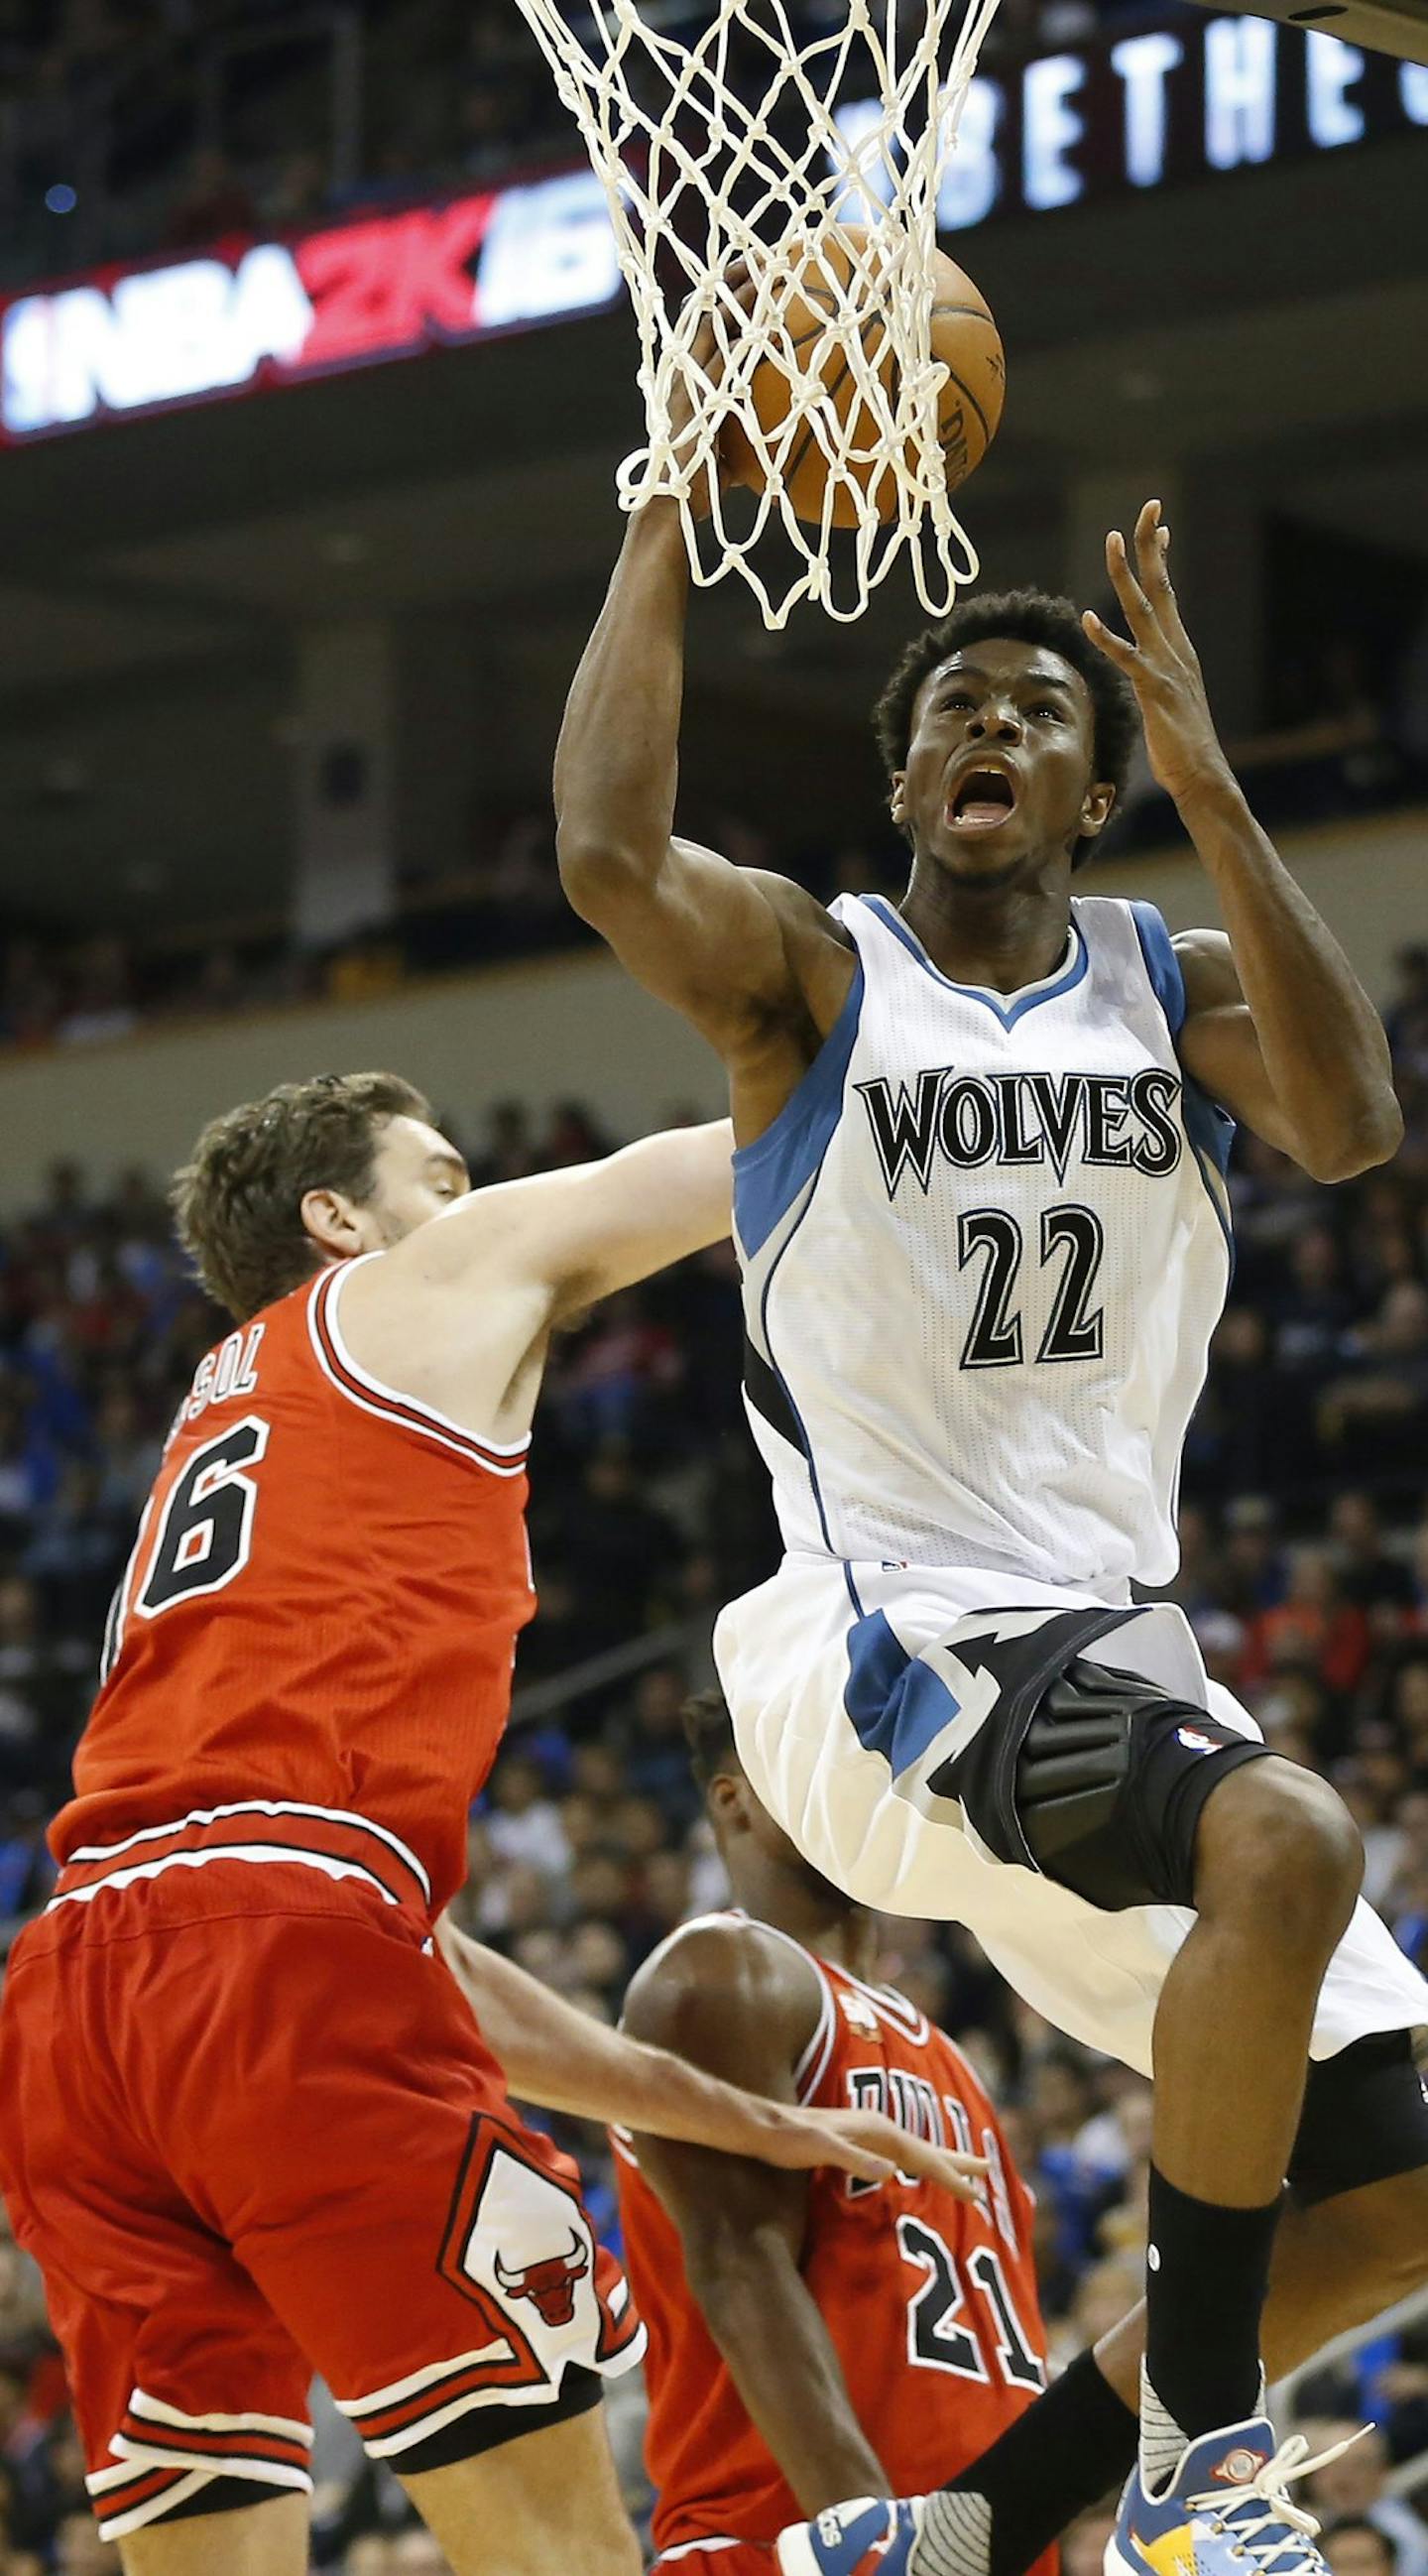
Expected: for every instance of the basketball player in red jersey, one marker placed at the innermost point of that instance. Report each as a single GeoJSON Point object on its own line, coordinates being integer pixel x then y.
{"type": "Point", "coordinates": [251, 2128]}
{"type": "Point", "coordinates": [810, 2339]}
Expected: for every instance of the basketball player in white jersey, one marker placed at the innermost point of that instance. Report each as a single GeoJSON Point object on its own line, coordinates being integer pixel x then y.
{"type": "Point", "coordinates": [981, 1209]}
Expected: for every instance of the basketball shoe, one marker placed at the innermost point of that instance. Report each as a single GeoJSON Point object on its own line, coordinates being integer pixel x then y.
{"type": "Point", "coordinates": [873, 2536]}
{"type": "Point", "coordinates": [1226, 2511]}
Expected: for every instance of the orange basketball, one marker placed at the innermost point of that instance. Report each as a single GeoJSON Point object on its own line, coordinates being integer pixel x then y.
{"type": "Point", "coordinates": [965, 340]}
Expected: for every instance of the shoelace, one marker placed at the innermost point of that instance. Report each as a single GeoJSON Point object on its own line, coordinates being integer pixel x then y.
{"type": "Point", "coordinates": [1279, 2537]}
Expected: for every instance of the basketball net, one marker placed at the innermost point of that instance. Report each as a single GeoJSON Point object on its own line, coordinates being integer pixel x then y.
{"type": "Point", "coordinates": [705, 149]}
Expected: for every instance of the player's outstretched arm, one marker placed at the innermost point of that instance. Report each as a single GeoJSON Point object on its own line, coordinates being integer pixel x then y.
{"type": "Point", "coordinates": [1277, 1025]}
{"type": "Point", "coordinates": [560, 2059]}
{"type": "Point", "coordinates": [732, 2003]}
{"type": "Point", "coordinates": [581, 1233]}
{"type": "Point", "coordinates": [459, 1312]}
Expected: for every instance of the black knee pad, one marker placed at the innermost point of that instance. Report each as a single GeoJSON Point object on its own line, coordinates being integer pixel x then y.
{"type": "Point", "coordinates": [1110, 1781]}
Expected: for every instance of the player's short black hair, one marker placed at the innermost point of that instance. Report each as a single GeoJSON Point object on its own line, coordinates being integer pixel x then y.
{"type": "Point", "coordinates": [1025, 617]}
{"type": "Point", "coordinates": [709, 1734]}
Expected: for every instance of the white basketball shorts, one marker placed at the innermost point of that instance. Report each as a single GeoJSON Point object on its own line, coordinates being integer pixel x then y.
{"type": "Point", "coordinates": [848, 1695]}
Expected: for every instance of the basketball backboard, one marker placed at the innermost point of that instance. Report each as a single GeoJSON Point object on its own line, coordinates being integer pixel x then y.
{"type": "Point", "coordinates": [1387, 26]}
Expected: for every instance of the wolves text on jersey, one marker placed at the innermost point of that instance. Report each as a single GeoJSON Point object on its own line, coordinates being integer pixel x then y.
{"type": "Point", "coordinates": [968, 1119]}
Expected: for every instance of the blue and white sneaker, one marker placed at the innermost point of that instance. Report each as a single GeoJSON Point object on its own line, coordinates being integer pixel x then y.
{"type": "Point", "coordinates": [1226, 2511]}
{"type": "Point", "coordinates": [873, 2536]}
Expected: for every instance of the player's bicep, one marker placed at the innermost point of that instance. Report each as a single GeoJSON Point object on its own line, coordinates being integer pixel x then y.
{"type": "Point", "coordinates": [700, 933]}
{"type": "Point", "coordinates": [722, 2001]}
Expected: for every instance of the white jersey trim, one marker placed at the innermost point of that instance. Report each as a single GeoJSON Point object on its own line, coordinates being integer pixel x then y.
{"type": "Point", "coordinates": [1073, 964]}
{"type": "Point", "coordinates": [158, 2454]}
{"type": "Point", "coordinates": [391, 2445]}
{"type": "Point", "coordinates": [253, 1807]}
{"type": "Point", "coordinates": [390, 1403]}
{"type": "Point", "coordinates": [253, 1853]}
{"type": "Point", "coordinates": [155, 2410]}
{"type": "Point", "coordinates": [896, 2010]}
{"type": "Point", "coordinates": [812, 2066]}
{"type": "Point", "coordinates": [117, 2526]}
{"type": "Point", "coordinates": [426, 2377]}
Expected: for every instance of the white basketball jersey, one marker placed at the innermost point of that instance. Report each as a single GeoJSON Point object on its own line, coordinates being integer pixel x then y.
{"type": "Point", "coordinates": [984, 1247]}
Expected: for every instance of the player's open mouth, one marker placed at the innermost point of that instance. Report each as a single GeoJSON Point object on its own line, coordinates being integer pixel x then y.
{"type": "Point", "coordinates": [982, 801]}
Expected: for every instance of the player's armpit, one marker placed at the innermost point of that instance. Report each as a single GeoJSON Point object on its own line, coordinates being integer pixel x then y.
{"type": "Point", "coordinates": [457, 1315]}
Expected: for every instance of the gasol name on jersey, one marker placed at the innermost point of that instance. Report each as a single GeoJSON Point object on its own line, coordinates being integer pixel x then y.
{"type": "Point", "coordinates": [967, 1120]}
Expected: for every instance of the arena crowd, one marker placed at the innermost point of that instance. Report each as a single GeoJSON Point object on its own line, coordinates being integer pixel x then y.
{"type": "Point", "coordinates": [1305, 1574]}
{"type": "Point", "coordinates": [130, 126]}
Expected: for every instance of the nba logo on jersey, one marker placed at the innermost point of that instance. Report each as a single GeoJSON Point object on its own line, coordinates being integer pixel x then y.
{"type": "Point", "coordinates": [857, 2012]}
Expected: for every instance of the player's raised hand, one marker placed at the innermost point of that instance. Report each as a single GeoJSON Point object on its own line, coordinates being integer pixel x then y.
{"type": "Point", "coordinates": [871, 2147]}
{"type": "Point", "coordinates": [710, 352]}
{"type": "Point", "coordinates": [1159, 659]}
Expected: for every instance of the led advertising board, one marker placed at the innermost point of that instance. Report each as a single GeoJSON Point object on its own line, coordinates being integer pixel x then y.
{"type": "Point", "coordinates": [262, 314]}
{"type": "Point", "coordinates": [1144, 111]}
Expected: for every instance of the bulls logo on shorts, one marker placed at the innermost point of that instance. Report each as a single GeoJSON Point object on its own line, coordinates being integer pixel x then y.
{"type": "Point", "coordinates": [519, 2244]}
{"type": "Point", "coordinates": [550, 2283]}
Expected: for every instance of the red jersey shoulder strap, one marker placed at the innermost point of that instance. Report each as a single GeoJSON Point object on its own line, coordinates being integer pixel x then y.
{"type": "Point", "coordinates": [388, 1403]}
{"type": "Point", "coordinates": [812, 2066]}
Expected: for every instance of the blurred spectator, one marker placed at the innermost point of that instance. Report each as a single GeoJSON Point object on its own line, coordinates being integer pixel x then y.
{"type": "Point", "coordinates": [1314, 1625]}
{"type": "Point", "coordinates": [1368, 1575]}
{"type": "Point", "coordinates": [1356, 2485]}
{"type": "Point", "coordinates": [510, 1150]}
{"type": "Point", "coordinates": [1354, 2546]}
{"type": "Point", "coordinates": [524, 1824]}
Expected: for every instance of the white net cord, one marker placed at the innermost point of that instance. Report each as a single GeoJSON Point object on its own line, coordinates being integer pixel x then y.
{"type": "Point", "coordinates": [703, 165]}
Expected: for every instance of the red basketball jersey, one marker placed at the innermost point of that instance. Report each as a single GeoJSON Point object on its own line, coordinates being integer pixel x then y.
{"type": "Point", "coordinates": [320, 1613]}
{"type": "Point", "coordinates": [930, 2302]}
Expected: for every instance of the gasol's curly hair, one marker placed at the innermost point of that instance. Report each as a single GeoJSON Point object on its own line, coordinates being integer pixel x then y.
{"type": "Point", "coordinates": [237, 1201]}
{"type": "Point", "coordinates": [1024, 617]}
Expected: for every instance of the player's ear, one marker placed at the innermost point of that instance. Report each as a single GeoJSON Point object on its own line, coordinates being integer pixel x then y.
{"type": "Point", "coordinates": [897, 804]}
{"type": "Point", "coordinates": [332, 1223]}
{"type": "Point", "coordinates": [725, 1805]}
{"type": "Point", "coordinates": [1096, 807]}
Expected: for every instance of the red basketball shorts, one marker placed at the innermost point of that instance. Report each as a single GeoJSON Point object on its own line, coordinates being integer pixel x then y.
{"type": "Point", "coordinates": [252, 2132]}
